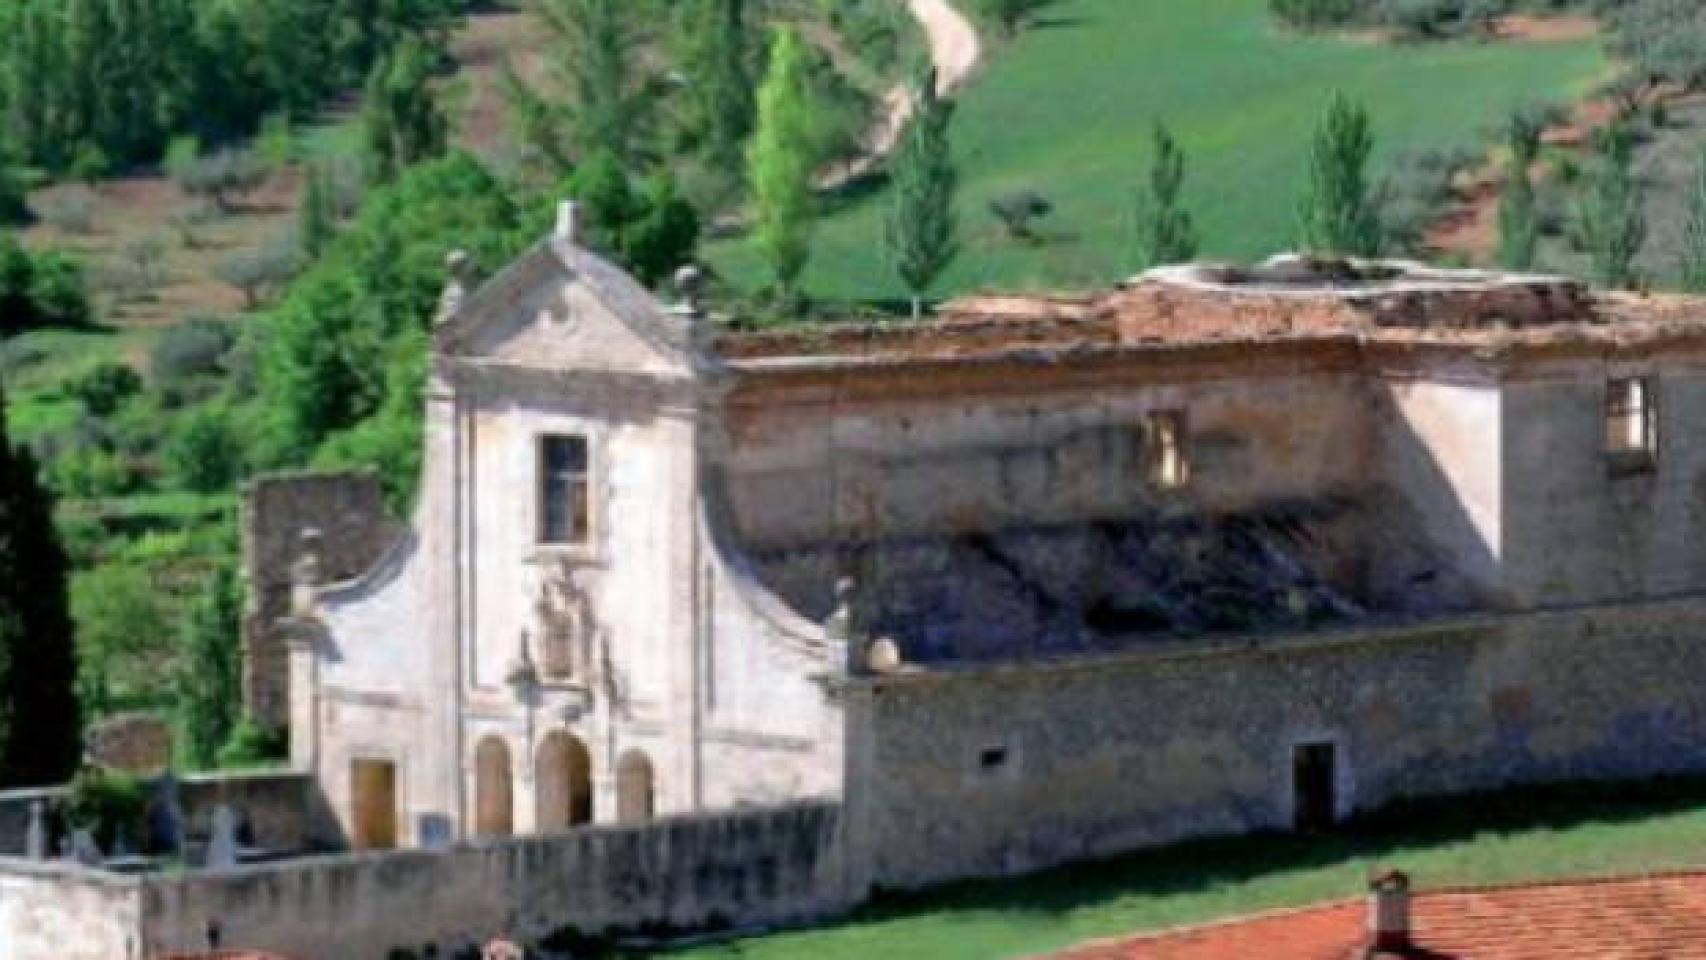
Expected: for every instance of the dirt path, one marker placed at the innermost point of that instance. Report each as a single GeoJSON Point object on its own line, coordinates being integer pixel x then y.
{"type": "Point", "coordinates": [955, 50]}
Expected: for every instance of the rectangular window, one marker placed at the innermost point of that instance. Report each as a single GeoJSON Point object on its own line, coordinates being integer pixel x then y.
{"type": "Point", "coordinates": [1631, 420]}
{"type": "Point", "coordinates": [564, 501]}
{"type": "Point", "coordinates": [1166, 460]}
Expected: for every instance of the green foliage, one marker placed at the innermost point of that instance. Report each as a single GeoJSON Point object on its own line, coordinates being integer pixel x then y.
{"type": "Point", "coordinates": [780, 164]}
{"type": "Point", "coordinates": [1519, 218]}
{"type": "Point", "coordinates": [401, 117]}
{"type": "Point", "coordinates": [1314, 14]}
{"type": "Point", "coordinates": [204, 451]}
{"type": "Point", "coordinates": [253, 746]}
{"type": "Point", "coordinates": [1417, 188]}
{"type": "Point", "coordinates": [316, 213]}
{"type": "Point", "coordinates": [327, 350]}
{"type": "Point", "coordinates": [220, 177]}
{"type": "Point", "coordinates": [1166, 233]}
{"type": "Point", "coordinates": [91, 85]}
{"type": "Point", "coordinates": [209, 679]}
{"type": "Point", "coordinates": [1338, 216]}
{"type": "Point", "coordinates": [193, 348]}
{"type": "Point", "coordinates": [1664, 40]}
{"type": "Point", "coordinates": [608, 95]}
{"type": "Point", "coordinates": [1610, 224]}
{"type": "Point", "coordinates": [124, 636]}
{"type": "Point", "coordinates": [921, 230]}
{"type": "Point", "coordinates": [39, 290]}
{"type": "Point", "coordinates": [107, 803]}
{"type": "Point", "coordinates": [1019, 211]}
{"type": "Point", "coordinates": [40, 735]}
{"type": "Point", "coordinates": [1693, 254]}
{"type": "Point", "coordinates": [1009, 15]}
{"type": "Point", "coordinates": [719, 107]}
{"type": "Point", "coordinates": [104, 387]}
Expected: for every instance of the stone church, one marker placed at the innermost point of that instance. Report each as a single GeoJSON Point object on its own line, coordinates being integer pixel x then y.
{"type": "Point", "coordinates": [1046, 577]}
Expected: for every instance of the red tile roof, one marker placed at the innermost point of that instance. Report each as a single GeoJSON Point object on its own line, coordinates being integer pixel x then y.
{"type": "Point", "coordinates": [1639, 918]}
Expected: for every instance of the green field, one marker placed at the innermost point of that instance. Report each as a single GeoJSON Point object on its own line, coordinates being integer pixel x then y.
{"type": "Point", "coordinates": [1067, 109]}
{"type": "Point", "coordinates": [1514, 837]}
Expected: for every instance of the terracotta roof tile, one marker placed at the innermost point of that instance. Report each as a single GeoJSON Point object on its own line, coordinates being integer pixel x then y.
{"type": "Point", "coordinates": [1639, 918]}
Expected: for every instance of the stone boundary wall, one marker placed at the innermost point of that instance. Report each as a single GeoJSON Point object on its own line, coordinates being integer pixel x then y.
{"type": "Point", "coordinates": [283, 808]}
{"type": "Point", "coordinates": [1013, 768]}
{"type": "Point", "coordinates": [772, 866]}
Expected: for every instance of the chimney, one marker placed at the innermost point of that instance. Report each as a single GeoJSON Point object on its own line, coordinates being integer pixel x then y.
{"type": "Point", "coordinates": [1389, 914]}
{"type": "Point", "coordinates": [568, 222]}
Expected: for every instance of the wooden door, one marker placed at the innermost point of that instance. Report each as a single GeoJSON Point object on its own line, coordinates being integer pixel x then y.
{"type": "Point", "coordinates": [374, 804]}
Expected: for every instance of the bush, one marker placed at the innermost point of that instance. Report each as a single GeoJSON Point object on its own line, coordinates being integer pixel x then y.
{"type": "Point", "coordinates": [104, 387]}
{"type": "Point", "coordinates": [107, 803]}
{"type": "Point", "coordinates": [1315, 14]}
{"type": "Point", "coordinates": [90, 472]}
{"type": "Point", "coordinates": [41, 290]}
{"type": "Point", "coordinates": [204, 451]}
{"type": "Point", "coordinates": [253, 746]}
{"type": "Point", "coordinates": [1415, 192]}
{"type": "Point", "coordinates": [1019, 210]}
{"type": "Point", "coordinates": [69, 213]}
{"type": "Point", "coordinates": [193, 348]}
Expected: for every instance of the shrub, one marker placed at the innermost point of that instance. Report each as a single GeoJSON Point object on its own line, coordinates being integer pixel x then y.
{"type": "Point", "coordinates": [69, 213]}
{"type": "Point", "coordinates": [58, 292]}
{"type": "Point", "coordinates": [204, 452]}
{"type": "Point", "coordinates": [1315, 14]}
{"type": "Point", "coordinates": [104, 387]}
{"type": "Point", "coordinates": [1019, 210]}
{"type": "Point", "coordinates": [1414, 193]}
{"type": "Point", "coordinates": [88, 471]}
{"type": "Point", "coordinates": [193, 348]}
{"type": "Point", "coordinates": [252, 746]}
{"type": "Point", "coordinates": [107, 803]}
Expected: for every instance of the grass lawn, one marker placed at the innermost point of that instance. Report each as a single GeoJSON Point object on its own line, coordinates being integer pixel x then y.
{"type": "Point", "coordinates": [1559, 832]}
{"type": "Point", "coordinates": [1067, 110]}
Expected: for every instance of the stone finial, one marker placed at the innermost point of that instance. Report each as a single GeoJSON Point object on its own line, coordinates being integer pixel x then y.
{"type": "Point", "coordinates": [35, 838]}
{"type": "Point", "coordinates": [689, 283]}
{"type": "Point", "coordinates": [1389, 912]}
{"type": "Point", "coordinates": [883, 657]}
{"type": "Point", "coordinates": [568, 228]}
{"type": "Point", "coordinates": [307, 574]}
{"type": "Point", "coordinates": [841, 623]}
{"type": "Point", "coordinates": [222, 845]}
{"type": "Point", "coordinates": [458, 267]}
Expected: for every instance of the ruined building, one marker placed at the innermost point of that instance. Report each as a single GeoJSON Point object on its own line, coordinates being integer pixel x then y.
{"type": "Point", "coordinates": [1046, 577]}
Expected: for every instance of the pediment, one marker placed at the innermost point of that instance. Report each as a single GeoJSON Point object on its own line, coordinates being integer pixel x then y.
{"type": "Point", "coordinates": [563, 308]}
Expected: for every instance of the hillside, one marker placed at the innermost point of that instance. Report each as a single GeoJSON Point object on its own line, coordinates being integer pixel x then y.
{"type": "Point", "coordinates": [1066, 109]}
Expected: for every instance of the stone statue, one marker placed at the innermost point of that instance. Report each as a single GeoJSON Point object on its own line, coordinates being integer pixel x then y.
{"type": "Point", "coordinates": [35, 838]}
{"type": "Point", "coordinates": [565, 622]}
{"type": "Point", "coordinates": [165, 818]}
{"type": "Point", "coordinates": [84, 849]}
{"type": "Point", "coordinates": [307, 574]}
{"type": "Point", "coordinates": [222, 845]}
{"type": "Point", "coordinates": [842, 623]}
{"type": "Point", "coordinates": [457, 269]}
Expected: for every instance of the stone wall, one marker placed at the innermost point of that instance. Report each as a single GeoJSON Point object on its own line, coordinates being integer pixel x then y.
{"type": "Point", "coordinates": [348, 510]}
{"type": "Point", "coordinates": [54, 911]}
{"type": "Point", "coordinates": [758, 867]}
{"type": "Point", "coordinates": [283, 809]}
{"type": "Point", "coordinates": [1006, 769]}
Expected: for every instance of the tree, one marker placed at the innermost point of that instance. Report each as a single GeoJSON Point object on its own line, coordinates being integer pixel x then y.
{"type": "Point", "coordinates": [316, 214]}
{"type": "Point", "coordinates": [401, 116]}
{"type": "Point", "coordinates": [1693, 257]}
{"type": "Point", "coordinates": [1338, 215]}
{"type": "Point", "coordinates": [38, 666]}
{"type": "Point", "coordinates": [1009, 15]}
{"type": "Point", "coordinates": [1519, 221]}
{"type": "Point", "coordinates": [1610, 225]}
{"type": "Point", "coordinates": [920, 229]}
{"type": "Point", "coordinates": [780, 163]}
{"type": "Point", "coordinates": [595, 67]}
{"type": "Point", "coordinates": [210, 679]}
{"type": "Point", "coordinates": [1166, 232]}
{"type": "Point", "coordinates": [720, 103]}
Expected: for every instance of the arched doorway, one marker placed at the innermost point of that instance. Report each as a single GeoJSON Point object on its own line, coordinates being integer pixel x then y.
{"type": "Point", "coordinates": [494, 804]}
{"type": "Point", "coordinates": [635, 788]}
{"type": "Point", "coordinates": [564, 782]}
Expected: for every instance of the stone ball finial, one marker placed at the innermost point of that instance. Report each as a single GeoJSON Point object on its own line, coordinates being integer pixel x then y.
{"type": "Point", "coordinates": [568, 228]}
{"type": "Point", "coordinates": [884, 657]}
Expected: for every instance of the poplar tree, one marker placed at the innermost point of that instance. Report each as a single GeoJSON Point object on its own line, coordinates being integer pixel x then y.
{"type": "Point", "coordinates": [716, 61]}
{"type": "Point", "coordinates": [921, 229]}
{"type": "Point", "coordinates": [1610, 224]}
{"type": "Point", "coordinates": [1166, 232]}
{"type": "Point", "coordinates": [210, 681]}
{"type": "Point", "coordinates": [1338, 214]}
{"type": "Point", "coordinates": [1519, 226]}
{"type": "Point", "coordinates": [595, 63]}
{"type": "Point", "coordinates": [316, 218]}
{"type": "Point", "coordinates": [780, 163]}
{"type": "Point", "coordinates": [1693, 266]}
{"type": "Point", "coordinates": [38, 666]}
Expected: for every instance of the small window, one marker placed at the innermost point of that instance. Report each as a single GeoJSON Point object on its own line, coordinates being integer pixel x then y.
{"type": "Point", "coordinates": [564, 504]}
{"type": "Point", "coordinates": [992, 759]}
{"type": "Point", "coordinates": [1165, 458]}
{"type": "Point", "coordinates": [1314, 775]}
{"type": "Point", "coordinates": [1631, 420]}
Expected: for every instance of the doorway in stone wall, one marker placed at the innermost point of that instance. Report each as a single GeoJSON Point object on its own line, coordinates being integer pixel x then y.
{"type": "Point", "coordinates": [373, 801]}
{"type": "Point", "coordinates": [564, 782]}
{"type": "Point", "coordinates": [494, 789]}
{"type": "Point", "coordinates": [1314, 775]}
{"type": "Point", "coordinates": [636, 788]}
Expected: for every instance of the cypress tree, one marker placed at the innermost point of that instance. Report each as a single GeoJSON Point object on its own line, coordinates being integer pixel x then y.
{"type": "Point", "coordinates": [780, 163]}
{"type": "Point", "coordinates": [401, 116]}
{"type": "Point", "coordinates": [316, 221]}
{"type": "Point", "coordinates": [595, 60]}
{"type": "Point", "coordinates": [37, 689]}
{"type": "Point", "coordinates": [1609, 221]}
{"type": "Point", "coordinates": [920, 230]}
{"type": "Point", "coordinates": [210, 682]}
{"type": "Point", "coordinates": [1338, 214]}
{"type": "Point", "coordinates": [1166, 231]}
{"type": "Point", "coordinates": [1693, 257]}
{"type": "Point", "coordinates": [717, 59]}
